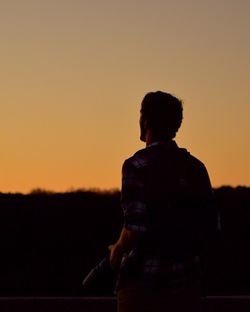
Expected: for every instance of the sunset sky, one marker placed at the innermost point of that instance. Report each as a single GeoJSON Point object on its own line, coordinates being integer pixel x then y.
{"type": "Point", "coordinates": [73, 74]}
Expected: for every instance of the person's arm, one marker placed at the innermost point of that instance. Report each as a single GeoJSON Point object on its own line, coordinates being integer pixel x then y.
{"type": "Point", "coordinates": [126, 242]}
{"type": "Point", "coordinates": [134, 208]}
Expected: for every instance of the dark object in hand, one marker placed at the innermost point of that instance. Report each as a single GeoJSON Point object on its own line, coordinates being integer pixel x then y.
{"type": "Point", "coordinates": [101, 279]}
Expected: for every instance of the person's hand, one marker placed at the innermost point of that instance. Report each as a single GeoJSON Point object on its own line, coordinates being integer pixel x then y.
{"type": "Point", "coordinates": [115, 256]}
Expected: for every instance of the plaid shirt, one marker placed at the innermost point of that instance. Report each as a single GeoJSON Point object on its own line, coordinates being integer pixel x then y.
{"type": "Point", "coordinates": [154, 269]}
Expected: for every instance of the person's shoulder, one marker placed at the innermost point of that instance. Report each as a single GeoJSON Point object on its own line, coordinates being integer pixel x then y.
{"type": "Point", "coordinates": [193, 158]}
{"type": "Point", "coordinates": [139, 159]}
{"type": "Point", "coordinates": [194, 161]}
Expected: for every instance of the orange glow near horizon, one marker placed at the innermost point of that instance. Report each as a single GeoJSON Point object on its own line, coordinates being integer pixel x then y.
{"type": "Point", "coordinates": [73, 75]}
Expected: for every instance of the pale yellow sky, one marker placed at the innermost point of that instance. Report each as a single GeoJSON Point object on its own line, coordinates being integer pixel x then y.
{"type": "Point", "coordinates": [73, 74]}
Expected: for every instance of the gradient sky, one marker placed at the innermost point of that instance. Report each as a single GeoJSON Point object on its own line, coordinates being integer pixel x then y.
{"type": "Point", "coordinates": [73, 74]}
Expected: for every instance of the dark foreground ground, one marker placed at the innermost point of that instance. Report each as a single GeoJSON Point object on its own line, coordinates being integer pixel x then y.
{"type": "Point", "coordinates": [108, 304]}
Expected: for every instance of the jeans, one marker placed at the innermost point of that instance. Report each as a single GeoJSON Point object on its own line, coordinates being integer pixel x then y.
{"type": "Point", "coordinates": [135, 296]}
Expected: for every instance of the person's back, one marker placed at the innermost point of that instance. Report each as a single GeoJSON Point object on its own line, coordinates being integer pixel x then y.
{"type": "Point", "coordinates": [168, 217]}
{"type": "Point", "coordinates": [179, 200]}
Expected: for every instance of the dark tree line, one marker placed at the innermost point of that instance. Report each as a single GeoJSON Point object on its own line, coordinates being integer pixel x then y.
{"type": "Point", "coordinates": [50, 241]}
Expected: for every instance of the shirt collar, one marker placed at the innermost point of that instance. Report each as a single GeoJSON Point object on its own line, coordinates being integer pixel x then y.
{"type": "Point", "coordinates": [169, 144]}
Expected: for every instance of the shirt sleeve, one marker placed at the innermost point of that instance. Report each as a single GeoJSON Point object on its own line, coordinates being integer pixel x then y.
{"type": "Point", "coordinates": [133, 197]}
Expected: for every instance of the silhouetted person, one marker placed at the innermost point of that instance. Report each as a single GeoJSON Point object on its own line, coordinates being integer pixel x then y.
{"type": "Point", "coordinates": [169, 216]}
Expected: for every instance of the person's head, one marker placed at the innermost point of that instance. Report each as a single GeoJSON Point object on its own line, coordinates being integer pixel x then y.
{"type": "Point", "coordinates": [161, 113]}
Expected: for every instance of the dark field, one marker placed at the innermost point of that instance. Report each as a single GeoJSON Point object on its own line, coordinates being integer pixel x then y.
{"type": "Point", "coordinates": [49, 242]}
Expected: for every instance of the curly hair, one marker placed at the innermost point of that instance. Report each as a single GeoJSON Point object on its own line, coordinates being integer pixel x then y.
{"type": "Point", "coordinates": [163, 112]}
